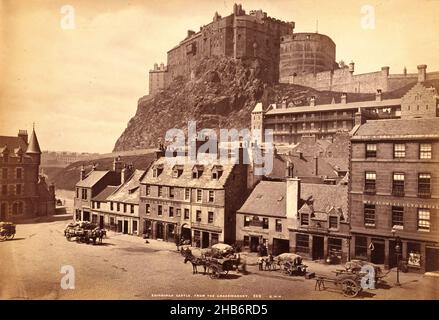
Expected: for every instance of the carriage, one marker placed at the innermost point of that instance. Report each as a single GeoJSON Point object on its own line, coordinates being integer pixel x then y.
{"type": "Point", "coordinates": [216, 261]}
{"type": "Point", "coordinates": [291, 264]}
{"type": "Point", "coordinates": [84, 231]}
{"type": "Point", "coordinates": [7, 230]}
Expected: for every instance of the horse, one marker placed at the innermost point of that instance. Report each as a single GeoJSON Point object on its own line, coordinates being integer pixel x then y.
{"type": "Point", "coordinates": [195, 263]}
{"type": "Point", "coordinates": [98, 234]}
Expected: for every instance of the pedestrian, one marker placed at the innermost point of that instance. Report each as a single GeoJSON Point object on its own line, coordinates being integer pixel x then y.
{"type": "Point", "coordinates": [260, 263]}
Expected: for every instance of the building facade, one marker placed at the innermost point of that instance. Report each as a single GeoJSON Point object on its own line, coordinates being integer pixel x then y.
{"type": "Point", "coordinates": [194, 201]}
{"type": "Point", "coordinates": [394, 185]}
{"type": "Point", "coordinates": [24, 192]}
{"type": "Point", "coordinates": [157, 79]}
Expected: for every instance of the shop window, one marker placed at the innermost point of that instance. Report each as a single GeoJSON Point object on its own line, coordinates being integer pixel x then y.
{"type": "Point", "coordinates": [302, 243]}
{"type": "Point", "coordinates": [214, 239]}
{"type": "Point", "coordinates": [334, 248]}
{"type": "Point", "coordinates": [361, 247]}
{"type": "Point", "coordinates": [414, 254]}
{"type": "Point", "coordinates": [197, 237]}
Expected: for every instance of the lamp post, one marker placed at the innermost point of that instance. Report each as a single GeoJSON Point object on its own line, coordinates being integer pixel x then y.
{"type": "Point", "coordinates": [398, 254]}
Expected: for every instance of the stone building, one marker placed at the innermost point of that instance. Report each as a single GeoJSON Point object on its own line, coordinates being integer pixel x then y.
{"type": "Point", "coordinates": [117, 207]}
{"type": "Point", "coordinates": [157, 79]}
{"type": "Point", "coordinates": [196, 201]}
{"type": "Point", "coordinates": [306, 53]}
{"type": "Point", "coordinates": [24, 193]}
{"type": "Point", "coordinates": [239, 35]}
{"type": "Point", "coordinates": [92, 184]}
{"type": "Point", "coordinates": [394, 185]}
{"type": "Point", "coordinates": [290, 122]}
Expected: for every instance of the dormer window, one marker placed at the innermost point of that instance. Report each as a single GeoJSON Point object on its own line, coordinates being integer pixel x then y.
{"type": "Point", "coordinates": [333, 222]}
{"type": "Point", "coordinates": [157, 170]}
{"type": "Point", "coordinates": [217, 172]}
{"type": "Point", "coordinates": [177, 171]}
{"type": "Point", "coordinates": [197, 171]}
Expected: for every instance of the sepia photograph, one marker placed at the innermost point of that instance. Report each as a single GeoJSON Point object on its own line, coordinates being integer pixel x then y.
{"type": "Point", "coordinates": [219, 150]}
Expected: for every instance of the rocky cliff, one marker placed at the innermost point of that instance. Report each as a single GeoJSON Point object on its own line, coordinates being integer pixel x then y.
{"type": "Point", "coordinates": [221, 93]}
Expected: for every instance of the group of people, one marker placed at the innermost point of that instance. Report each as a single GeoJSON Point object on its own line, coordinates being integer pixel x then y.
{"type": "Point", "coordinates": [266, 263]}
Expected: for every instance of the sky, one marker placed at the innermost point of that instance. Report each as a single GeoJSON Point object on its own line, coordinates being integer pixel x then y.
{"type": "Point", "coordinates": [79, 82]}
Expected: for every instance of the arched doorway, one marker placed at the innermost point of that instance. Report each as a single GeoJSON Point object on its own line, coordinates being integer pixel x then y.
{"type": "Point", "coordinates": [185, 233]}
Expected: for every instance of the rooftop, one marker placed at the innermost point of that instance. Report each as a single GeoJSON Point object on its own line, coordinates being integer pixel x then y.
{"type": "Point", "coordinates": [92, 178]}
{"type": "Point", "coordinates": [104, 194]}
{"type": "Point", "coordinates": [128, 192]}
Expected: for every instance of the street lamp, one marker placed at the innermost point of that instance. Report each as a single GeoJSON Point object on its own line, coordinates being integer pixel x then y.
{"type": "Point", "coordinates": [398, 254]}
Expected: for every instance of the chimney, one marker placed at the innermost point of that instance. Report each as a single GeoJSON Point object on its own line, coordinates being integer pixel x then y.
{"type": "Point", "coordinates": [312, 101]}
{"type": "Point", "coordinates": [344, 97]}
{"type": "Point", "coordinates": [117, 164]}
{"type": "Point", "coordinates": [289, 171]}
{"type": "Point", "coordinates": [126, 173]}
{"type": "Point", "coordinates": [23, 135]}
{"type": "Point", "coordinates": [351, 67]}
{"type": "Point", "coordinates": [292, 197]}
{"type": "Point", "coordinates": [378, 96]}
{"type": "Point", "coordinates": [385, 71]}
{"type": "Point", "coordinates": [160, 152]}
{"type": "Point", "coordinates": [82, 174]}
{"type": "Point", "coordinates": [422, 73]}
{"type": "Point", "coordinates": [156, 66]}
{"type": "Point", "coordinates": [316, 165]}
{"type": "Point", "coordinates": [359, 118]}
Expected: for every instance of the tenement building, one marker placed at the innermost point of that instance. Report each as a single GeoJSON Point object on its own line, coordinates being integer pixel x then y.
{"type": "Point", "coordinates": [196, 201]}
{"type": "Point", "coordinates": [24, 192]}
{"type": "Point", "coordinates": [394, 184]}
{"type": "Point", "coordinates": [117, 207]}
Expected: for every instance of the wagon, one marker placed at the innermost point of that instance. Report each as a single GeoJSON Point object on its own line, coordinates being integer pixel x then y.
{"type": "Point", "coordinates": [83, 231]}
{"type": "Point", "coordinates": [7, 230]}
{"type": "Point", "coordinates": [350, 284]}
{"type": "Point", "coordinates": [291, 264]}
{"type": "Point", "coordinates": [217, 267]}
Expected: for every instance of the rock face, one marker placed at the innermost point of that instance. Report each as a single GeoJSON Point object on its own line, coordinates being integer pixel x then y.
{"type": "Point", "coordinates": [220, 94]}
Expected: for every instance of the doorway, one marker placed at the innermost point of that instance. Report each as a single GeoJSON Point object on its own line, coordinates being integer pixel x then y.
{"type": "Point", "coordinates": [160, 230]}
{"type": "Point", "coordinates": [171, 232]}
{"type": "Point", "coordinates": [86, 216]}
{"type": "Point", "coordinates": [318, 248]}
{"type": "Point", "coordinates": [377, 255]}
{"type": "Point", "coordinates": [254, 243]}
{"type": "Point", "coordinates": [134, 227]}
{"type": "Point", "coordinates": [431, 259]}
{"type": "Point", "coordinates": [280, 246]}
{"type": "Point", "coordinates": [119, 226]}
{"type": "Point", "coordinates": [101, 222]}
{"type": "Point", "coordinates": [125, 227]}
{"type": "Point", "coordinates": [186, 233]}
{"type": "Point", "coordinates": [205, 240]}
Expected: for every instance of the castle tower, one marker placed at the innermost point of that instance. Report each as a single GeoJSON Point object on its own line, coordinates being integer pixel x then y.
{"type": "Point", "coordinates": [257, 123]}
{"type": "Point", "coordinates": [33, 148]}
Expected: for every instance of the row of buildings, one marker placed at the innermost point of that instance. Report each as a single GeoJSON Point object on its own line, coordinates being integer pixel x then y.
{"type": "Point", "coordinates": [389, 189]}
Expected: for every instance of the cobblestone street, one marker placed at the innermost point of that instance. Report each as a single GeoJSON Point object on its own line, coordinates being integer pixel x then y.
{"type": "Point", "coordinates": [125, 267]}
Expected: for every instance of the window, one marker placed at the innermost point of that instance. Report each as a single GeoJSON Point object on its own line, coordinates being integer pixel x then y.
{"type": "Point", "coordinates": [302, 243]}
{"type": "Point", "coordinates": [4, 189]}
{"type": "Point", "coordinates": [399, 150]}
{"type": "Point", "coordinates": [186, 214]}
{"type": "Point", "coordinates": [334, 247]}
{"type": "Point", "coordinates": [210, 217]}
{"type": "Point", "coordinates": [98, 205]}
{"type": "Point", "coordinates": [423, 219]}
{"type": "Point", "coordinates": [199, 195]}
{"type": "Point", "coordinates": [333, 222]}
{"type": "Point", "coordinates": [247, 221]}
{"type": "Point", "coordinates": [4, 173]}
{"type": "Point", "coordinates": [425, 151]}
{"type": "Point", "coordinates": [171, 192]}
{"type": "Point", "coordinates": [371, 150]}
{"type": "Point", "coordinates": [148, 190]}
{"type": "Point", "coordinates": [398, 184]}
{"type": "Point", "coordinates": [304, 219]}
{"type": "Point", "coordinates": [84, 194]}
{"type": "Point", "coordinates": [278, 225]}
{"type": "Point", "coordinates": [148, 208]}
{"type": "Point", "coordinates": [160, 192]}
{"type": "Point", "coordinates": [111, 206]}
{"type": "Point", "coordinates": [18, 189]}
{"type": "Point", "coordinates": [132, 208]}
{"type": "Point", "coordinates": [397, 216]}
{"type": "Point", "coordinates": [424, 184]}
{"type": "Point", "coordinates": [77, 192]}
{"type": "Point", "coordinates": [369, 215]}
{"type": "Point", "coordinates": [124, 207]}
{"type": "Point", "coordinates": [198, 215]}
{"type": "Point", "coordinates": [17, 208]}
{"type": "Point", "coordinates": [159, 210]}
{"type": "Point", "coordinates": [370, 182]}
{"type": "Point", "coordinates": [211, 196]}
{"type": "Point", "coordinates": [118, 206]}
{"type": "Point", "coordinates": [171, 212]}
{"type": "Point", "coordinates": [265, 223]}
{"type": "Point", "coordinates": [361, 247]}
{"type": "Point", "coordinates": [178, 212]}
{"type": "Point", "coordinates": [187, 193]}
{"type": "Point", "coordinates": [19, 173]}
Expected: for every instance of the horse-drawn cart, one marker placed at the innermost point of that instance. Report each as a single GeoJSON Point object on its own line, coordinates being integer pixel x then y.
{"type": "Point", "coordinates": [7, 230]}
{"type": "Point", "coordinates": [84, 231]}
{"type": "Point", "coordinates": [291, 264]}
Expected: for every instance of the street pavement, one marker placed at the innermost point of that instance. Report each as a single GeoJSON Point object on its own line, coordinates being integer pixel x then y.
{"type": "Point", "coordinates": [125, 267]}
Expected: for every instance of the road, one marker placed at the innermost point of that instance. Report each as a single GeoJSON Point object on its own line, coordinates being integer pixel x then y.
{"type": "Point", "coordinates": [124, 267]}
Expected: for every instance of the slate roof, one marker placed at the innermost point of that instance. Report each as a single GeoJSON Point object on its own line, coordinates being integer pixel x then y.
{"type": "Point", "coordinates": [34, 146]}
{"type": "Point", "coordinates": [185, 179]}
{"type": "Point", "coordinates": [104, 194]}
{"type": "Point", "coordinates": [268, 198]}
{"type": "Point", "coordinates": [304, 166]}
{"type": "Point", "coordinates": [12, 143]}
{"type": "Point", "coordinates": [129, 191]}
{"type": "Point", "coordinates": [92, 178]}
{"type": "Point", "coordinates": [398, 128]}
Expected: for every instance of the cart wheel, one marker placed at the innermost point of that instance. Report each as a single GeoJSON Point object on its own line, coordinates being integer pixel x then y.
{"type": "Point", "coordinates": [225, 272]}
{"type": "Point", "coordinates": [2, 237]}
{"type": "Point", "coordinates": [10, 236]}
{"type": "Point", "coordinates": [350, 288]}
{"type": "Point", "coordinates": [69, 238]}
{"type": "Point", "coordinates": [214, 272]}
